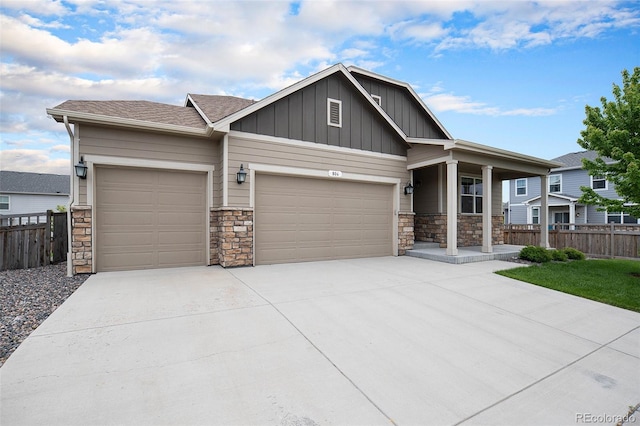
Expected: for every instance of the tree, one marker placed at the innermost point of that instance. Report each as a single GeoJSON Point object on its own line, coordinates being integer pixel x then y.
{"type": "Point", "coordinates": [614, 132]}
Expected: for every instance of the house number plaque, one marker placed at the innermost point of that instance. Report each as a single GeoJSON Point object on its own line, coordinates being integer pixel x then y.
{"type": "Point", "coordinates": [335, 173]}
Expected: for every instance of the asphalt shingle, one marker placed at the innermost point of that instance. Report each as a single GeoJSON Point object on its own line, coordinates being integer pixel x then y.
{"type": "Point", "coordinates": [33, 183]}
{"type": "Point", "coordinates": [217, 107]}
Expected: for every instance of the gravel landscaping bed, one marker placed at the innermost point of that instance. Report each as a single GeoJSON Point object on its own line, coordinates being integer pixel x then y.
{"type": "Point", "coordinates": [28, 297]}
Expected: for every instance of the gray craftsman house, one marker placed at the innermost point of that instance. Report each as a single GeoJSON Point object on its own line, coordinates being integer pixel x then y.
{"type": "Point", "coordinates": [27, 193]}
{"type": "Point", "coordinates": [345, 163]}
{"type": "Point", "coordinates": [564, 191]}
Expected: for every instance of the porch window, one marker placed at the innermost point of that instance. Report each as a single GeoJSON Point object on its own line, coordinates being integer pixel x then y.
{"type": "Point", "coordinates": [521, 187]}
{"type": "Point", "coordinates": [535, 215]}
{"type": "Point", "coordinates": [555, 183]}
{"type": "Point", "coordinates": [620, 217]}
{"type": "Point", "coordinates": [470, 195]}
{"type": "Point", "coordinates": [598, 182]}
{"type": "Point", "coordinates": [4, 202]}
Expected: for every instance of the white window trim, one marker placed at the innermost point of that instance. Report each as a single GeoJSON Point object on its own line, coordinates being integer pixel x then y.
{"type": "Point", "coordinates": [549, 180]}
{"type": "Point", "coordinates": [621, 216]}
{"type": "Point", "coordinates": [8, 202]}
{"type": "Point", "coordinates": [377, 99]}
{"type": "Point", "coordinates": [339, 103]}
{"type": "Point", "coordinates": [526, 187]}
{"type": "Point", "coordinates": [606, 184]}
{"type": "Point", "coordinates": [474, 196]}
{"type": "Point", "coordinates": [534, 209]}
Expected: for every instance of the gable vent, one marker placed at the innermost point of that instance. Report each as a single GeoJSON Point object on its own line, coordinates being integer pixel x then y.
{"type": "Point", "coordinates": [377, 99]}
{"type": "Point", "coordinates": [334, 112]}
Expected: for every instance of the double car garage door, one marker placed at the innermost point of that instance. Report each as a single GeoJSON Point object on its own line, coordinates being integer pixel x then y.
{"type": "Point", "coordinates": [148, 218]}
{"type": "Point", "coordinates": [302, 219]}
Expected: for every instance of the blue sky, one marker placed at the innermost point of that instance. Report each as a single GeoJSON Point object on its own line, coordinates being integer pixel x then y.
{"type": "Point", "coordinates": [514, 75]}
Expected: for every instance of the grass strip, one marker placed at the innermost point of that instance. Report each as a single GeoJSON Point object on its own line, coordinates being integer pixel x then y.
{"type": "Point", "coordinates": [612, 281]}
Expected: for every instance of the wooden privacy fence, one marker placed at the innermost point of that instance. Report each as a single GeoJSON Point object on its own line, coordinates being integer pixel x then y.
{"type": "Point", "coordinates": [32, 240]}
{"type": "Point", "coordinates": [605, 240]}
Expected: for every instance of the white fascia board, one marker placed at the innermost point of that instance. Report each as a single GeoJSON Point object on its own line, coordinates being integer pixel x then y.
{"type": "Point", "coordinates": [408, 87]}
{"type": "Point", "coordinates": [489, 150]}
{"type": "Point", "coordinates": [84, 117]}
{"type": "Point", "coordinates": [446, 143]}
{"type": "Point", "coordinates": [195, 105]}
{"type": "Point", "coordinates": [562, 197]}
{"type": "Point", "coordinates": [223, 124]}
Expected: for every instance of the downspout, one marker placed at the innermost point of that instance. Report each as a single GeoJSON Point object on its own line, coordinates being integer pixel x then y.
{"type": "Point", "coordinates": [71, 198]}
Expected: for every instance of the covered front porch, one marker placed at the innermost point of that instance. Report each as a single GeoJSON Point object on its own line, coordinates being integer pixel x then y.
{"type": "Point", "coordinates": [457, 196]}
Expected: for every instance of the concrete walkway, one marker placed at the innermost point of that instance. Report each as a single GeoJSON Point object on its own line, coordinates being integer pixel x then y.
{"type": "Point", "coordinates": [368, 341]}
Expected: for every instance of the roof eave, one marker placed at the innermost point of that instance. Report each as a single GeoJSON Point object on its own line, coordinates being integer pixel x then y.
{"type": "Point", "coordinates": [485, 149]}
{"type": "Point", "coordinates": [408, 87]}
{"type": "Point", "coordinates": [84, 117]}
{"type": "Point", "coordinates": [224, 123]}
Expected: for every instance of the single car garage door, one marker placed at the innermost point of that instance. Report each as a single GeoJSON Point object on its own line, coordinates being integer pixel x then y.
{"type": "Point", "coordinates": [148, 218]}
{"type": "Point", "coordinates": [303, 219]}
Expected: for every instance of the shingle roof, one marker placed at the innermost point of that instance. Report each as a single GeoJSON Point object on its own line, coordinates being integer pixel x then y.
{"type": "Point", "coordinates": [574, 159]}
{"type": "Point", "coordinates": [217, 107]}
{"type": "Point", "coordinates": [139, 110]}
{"type": "Point", "coordinates": [33, 183]}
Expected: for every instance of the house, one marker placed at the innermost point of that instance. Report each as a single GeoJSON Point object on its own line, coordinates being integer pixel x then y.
{"type": "Point", "coordinates": [26, 193]}
{"type": "Point", "coordinates": [564, 191]}
{"type": "Point", "coordinates": [343, 164]}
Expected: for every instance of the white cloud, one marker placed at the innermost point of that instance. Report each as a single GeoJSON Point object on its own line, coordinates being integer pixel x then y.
{"type": "Point", "coordinates": [30, 160]}
{"type": "Point", "coordinates": [465, 105]}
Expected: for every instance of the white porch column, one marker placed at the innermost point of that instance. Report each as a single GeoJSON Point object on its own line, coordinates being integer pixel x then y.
{"type": "Point", "coordinates": [452, 208]}
{"type": "Point", "coordinates": [544, 211]}
{"type": "Point", "coordinates": [487, 172]}
{"type": "Point", "coordinates": [572, 214]}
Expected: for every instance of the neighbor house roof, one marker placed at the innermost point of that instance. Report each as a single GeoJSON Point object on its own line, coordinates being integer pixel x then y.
{"type": "Point", "coordinates": [33, 183]}
{"type": "Point", "coordinates": [573, 160]}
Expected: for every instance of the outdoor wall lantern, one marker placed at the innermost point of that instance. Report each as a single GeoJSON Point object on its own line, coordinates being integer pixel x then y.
{"type": "Point", "coordinates": [241, 176]}
{"type": "Point", "coordinates": [81, 169]}
{"type": "Point", "coordinates": [408, 190]}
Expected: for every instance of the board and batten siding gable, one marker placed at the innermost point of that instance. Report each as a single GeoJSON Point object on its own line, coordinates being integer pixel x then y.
{"type": "Point", "coordinates": [302, 116]}
{"type": "Point", "coordinates": [115, 142]}
{"type": "Point", "coordinates": [403, 108]}
{"type": "Point", "coordinates": [249, 150]}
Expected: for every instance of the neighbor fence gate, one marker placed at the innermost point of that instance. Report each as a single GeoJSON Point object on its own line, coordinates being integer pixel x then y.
{"type": "Point", "coordinates": [32, 240]}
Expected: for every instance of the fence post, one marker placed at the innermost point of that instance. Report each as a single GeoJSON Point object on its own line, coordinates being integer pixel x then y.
{"type": "Point", "coordinates": [47, 238]}
{"type": "Point", "coordinates": [613, 240]}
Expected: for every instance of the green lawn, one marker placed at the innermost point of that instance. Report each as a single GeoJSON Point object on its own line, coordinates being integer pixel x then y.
{"type": "Point", "coordinates": [612, 281]}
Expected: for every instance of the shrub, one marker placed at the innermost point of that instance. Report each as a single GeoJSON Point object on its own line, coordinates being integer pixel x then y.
{"type": "Point", "coordinates": [573, 254]}
{"type": "Point", "coordinates": [559, 255]}
{"type": "Point", "coordinates": [535, 254]}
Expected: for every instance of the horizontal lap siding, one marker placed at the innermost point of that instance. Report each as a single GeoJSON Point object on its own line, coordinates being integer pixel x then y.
{"type": "Point", "coordinates": [96, 140]}
{"type": "Point", "coordinates": [420, 153]}
{"type": "Point", "coordinates": [271, 153]}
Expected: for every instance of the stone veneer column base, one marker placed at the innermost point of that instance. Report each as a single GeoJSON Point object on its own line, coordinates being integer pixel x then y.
{"type": "Point", "coordinates": [406, 234]}
{"type": "Point", "coordinates": [81, 240]}
{"type": "Point", "coordinates": [234, 242]}
{"type": "Point", "coordinates": [433, 228]}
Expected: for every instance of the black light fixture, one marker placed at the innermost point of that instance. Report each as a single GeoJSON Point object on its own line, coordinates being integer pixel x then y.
{"type": "Point", "coordinates": [241, 176]}
{"type": "Point", "coordinates": [81, 169]}
{"type": "Point", "coordinates": [408, 190]}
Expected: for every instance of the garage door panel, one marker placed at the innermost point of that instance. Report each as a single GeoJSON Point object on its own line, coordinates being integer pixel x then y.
{"type": "Point", "coordinates": [149, 218]}
{"type": "Point", "coordinates": [320, 219]}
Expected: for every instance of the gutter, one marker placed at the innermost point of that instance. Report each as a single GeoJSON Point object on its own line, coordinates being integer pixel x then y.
{"type": "Point", "coordinates": [71, 198]}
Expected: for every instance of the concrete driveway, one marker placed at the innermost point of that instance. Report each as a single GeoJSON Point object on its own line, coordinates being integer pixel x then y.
{"type": "Point", "coordinates": [366, 341]}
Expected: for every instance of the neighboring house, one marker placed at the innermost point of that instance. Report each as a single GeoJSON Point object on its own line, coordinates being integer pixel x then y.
{"type": "Point", "coordinates": [345, 163]}
{"type": "Point", "coordinates": [26, 193]}
{"type": "Point", "coordinates": [564, 191]}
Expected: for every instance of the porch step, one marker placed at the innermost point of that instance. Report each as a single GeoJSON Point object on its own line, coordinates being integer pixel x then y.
{"type": "Point", "coordinates": [465, 254]}
{"type": "Point", "coordinates": [419, 245]}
